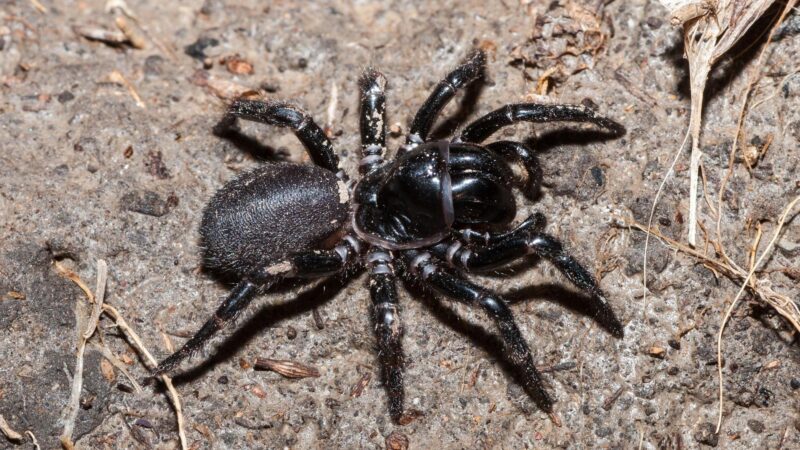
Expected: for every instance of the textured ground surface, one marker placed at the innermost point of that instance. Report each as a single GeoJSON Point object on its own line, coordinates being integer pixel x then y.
{"type": "Point", "coordinates": [86, 173]}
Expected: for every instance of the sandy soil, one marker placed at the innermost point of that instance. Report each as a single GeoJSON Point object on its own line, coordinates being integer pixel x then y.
{"type": "Point", "coordinates": [107, 151]}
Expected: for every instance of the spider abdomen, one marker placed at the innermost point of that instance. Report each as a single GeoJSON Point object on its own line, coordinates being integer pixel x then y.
{"type": "Point", "coordinates": [266, 213]}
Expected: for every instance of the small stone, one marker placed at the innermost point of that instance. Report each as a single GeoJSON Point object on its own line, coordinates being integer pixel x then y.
{"type": "Point", "coordinates": [154, 162]}
{"type": "Point", "coordinates": [706, 434]}
{"type": "Point", "coordinates": [654, 22]}
{"type": "Point", "coordinates": [291, 332]}
{"type": "Point", "coordinates": [794, 383]}
{"type": "Point", "coordinates": [65, 97]}
{"type": "Point", "coordinates": [657, 352]}
{"type": "Point", "coordinates": [197, 49]}
{"type": "Point", "coordinates": [597, 174]}
{"type": "Point", "coordinates": [763, 397]}
{"type": "Point", "coordinates": [153, 65]}
{"type": "Point", "coordinates": [396, 441]}
{"type": "Point", "coordinates": [148, 203]}
{"type": "Point", "coordinates": [756, 426]}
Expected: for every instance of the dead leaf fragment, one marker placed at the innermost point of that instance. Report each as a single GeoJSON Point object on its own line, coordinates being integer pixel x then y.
{"type": "Point", "coordinates": [101, 35]}
{"type": "Point", "coordinates": [222, 88]}
{"type": "Point", "coordinates": [289, 369]}
{"type": "Point", "coordinates": [657, 352]}
{"type": "Point", "coordinates": [16, 295]}
{"type": "Point", "coordinates": [710, 29]}
{"type": "Point", "coordinates": [107, 370]}
{"type": "Point", "coordinates": [774, 364]}
{"type": "Point", "coordinates": [237, 65]}
{"type": "Point", "coordinates": [9, 432]}
{"type": "Point", "coordinates": [410, 416]}
{"type": "Point", "coordinates": [359, 387]}
{"type": "Point", "coordinates": [258, 392]}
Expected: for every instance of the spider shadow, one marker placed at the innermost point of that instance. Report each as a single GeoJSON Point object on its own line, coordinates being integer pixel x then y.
{"type": "Point", "coordinates": [266, 317]}
{"type": "Point", "coordinates": [490, 342]}
{"type": "Point", "coordinates": [229, 130]}
{"type": "Point", "coordinates": [552, 139]}
{"type": "Point", "coordinates": [566, 297]}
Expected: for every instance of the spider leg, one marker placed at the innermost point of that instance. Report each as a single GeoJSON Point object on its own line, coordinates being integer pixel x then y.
{"type": "Point", "coordinates": [517, 151]}
{"type": "Point", "coordinates": [312, 264]}
{"type": "Point", "coordinates": [373, 119]}
{"type": "Point", "coordinates": [469, 70]}
{"type": "Point", "coordinates": [534, 223]}
{"type": "Point", "coordinates": [485, 126]}
{"type": "Point", "coordinates": [388, 329]}
{"type": "Point", "coordinates": [447, 282]}
{"type": "Point", "coordinates": [281, 114]}
{"type": "Point", "coordinates": [492, 256]}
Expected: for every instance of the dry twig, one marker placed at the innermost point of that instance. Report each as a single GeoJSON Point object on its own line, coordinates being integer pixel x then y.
{"type": "Point", "coordinates": [39, 6]}
{"type": "Point", "coordinates": [745, 283]}
{"type": "Point", "coordinates": [710, 29]}
{"type": "Point", "coordinates": [71, 412]}
{"type": "Point", "coordinates": [120, 322]}
{"type": "Point", "coordinates": [117, 78]}
{"type": "Point", "coordinates": [9, 432]}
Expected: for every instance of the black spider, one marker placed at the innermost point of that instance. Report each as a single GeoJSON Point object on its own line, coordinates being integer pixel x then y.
{"type": "Point", "coordinates": [433, 212]}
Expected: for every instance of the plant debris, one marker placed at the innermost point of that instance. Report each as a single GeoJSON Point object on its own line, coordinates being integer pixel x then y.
{"type": "Point", "coordinates": [289, 369]}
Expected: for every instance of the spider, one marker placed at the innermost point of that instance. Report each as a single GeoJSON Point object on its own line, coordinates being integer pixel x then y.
{"type": "Point", "coordinates": [433, 213]}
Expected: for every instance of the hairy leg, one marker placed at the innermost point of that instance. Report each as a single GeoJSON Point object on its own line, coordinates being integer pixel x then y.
{"type": "Point", "coordinates": [388, 329]}
{"type": "Point", "coordinates": [487, 125]}
{"type": "Point", "coordinates": [281, 114]}
{"type": "Point", "coordinates": [311, 264]}
{"type": "Point", "coordinates": [517, 245]}
{"type": "Point", "coordinates": [447, 282]}
{"type": "Point", "coordinates": [372, 120]}
{"type": "Point", "coordinates": [517, 151]}
{"type": "Point", "coordinates": [470, 69]}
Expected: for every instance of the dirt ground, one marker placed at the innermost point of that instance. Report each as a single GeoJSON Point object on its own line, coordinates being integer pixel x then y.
{"type": "Point", "coordinates": [107, 152]}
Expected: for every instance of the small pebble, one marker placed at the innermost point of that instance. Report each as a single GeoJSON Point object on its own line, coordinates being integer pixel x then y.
{"type": "Point", "coordinates": [756, 426]}
{"type": "Point", "coordinates": [291, 332]}
{"type": "Point", "coordinates": [65, 96]}
{"type": "Point", "coordinates": [706, 434]}
{"type": "Point", "coordinates": [144, 423]}
{"type": "Point", "coordinates": [657, 352]}
{"type": "Point", "coordinates": [197, 49]}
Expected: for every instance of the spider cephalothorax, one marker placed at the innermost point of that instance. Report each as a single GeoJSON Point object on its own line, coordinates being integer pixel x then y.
{"type": "Point", "coordinates": [437, 210]}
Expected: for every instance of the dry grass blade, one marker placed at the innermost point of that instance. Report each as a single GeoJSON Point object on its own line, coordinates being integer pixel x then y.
{"type": "Point", "coordinates": [120, 322]}
{"type": "Point", "coordinates": [289, 369]}
{"type": "Point", "coordinates": [650, 222]}
{"type": "Point", "coordinates": [745, 283]}
{"type": "Point", "coordinates": [359, 387]}
{"type": "Point", "coordinates": [710, 29]}
{"type": "Point", "coordinates": [71, 412]}
{"type": "Point", "coordinates": [759, 287]}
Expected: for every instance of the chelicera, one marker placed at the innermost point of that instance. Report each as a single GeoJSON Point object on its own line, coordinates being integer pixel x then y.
{"type": "Point", "coordinates": [431, 214]}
